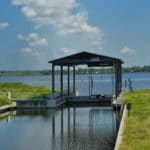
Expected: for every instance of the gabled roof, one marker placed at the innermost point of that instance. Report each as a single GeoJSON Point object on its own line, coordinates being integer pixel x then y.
{"type": "Point", "coordinates": [87, 58]}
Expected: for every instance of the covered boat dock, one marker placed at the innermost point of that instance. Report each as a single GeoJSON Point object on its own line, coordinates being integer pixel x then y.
{"type": "Point", "coordinates": [69, 97]}
{"type": "Point", "coordinates": [89, 59]}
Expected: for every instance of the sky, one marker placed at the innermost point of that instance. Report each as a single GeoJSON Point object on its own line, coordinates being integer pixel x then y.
{"type": "Point", "coordinates": [32, 32]}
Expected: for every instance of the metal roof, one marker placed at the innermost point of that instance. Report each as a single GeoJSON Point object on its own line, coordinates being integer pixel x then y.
{"type": "Point", "coordinates": [86, 58]}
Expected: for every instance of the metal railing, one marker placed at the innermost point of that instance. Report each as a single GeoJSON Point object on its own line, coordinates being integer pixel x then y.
{"type": "Point", "coordinates": [57, 95]}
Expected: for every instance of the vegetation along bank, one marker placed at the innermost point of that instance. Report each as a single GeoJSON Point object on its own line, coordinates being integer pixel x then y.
{"type": "Point", "coordinates": [10, 91]}
{"type": "Point", "coordinates": [136, 134]}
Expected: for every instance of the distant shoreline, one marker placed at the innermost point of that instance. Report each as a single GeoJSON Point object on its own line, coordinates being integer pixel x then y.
{"type": "Point", "coordinates": [136, 69]}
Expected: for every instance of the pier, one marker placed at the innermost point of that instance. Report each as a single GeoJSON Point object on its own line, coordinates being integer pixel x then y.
{"type": "Point", "coordinates": [69, 96]}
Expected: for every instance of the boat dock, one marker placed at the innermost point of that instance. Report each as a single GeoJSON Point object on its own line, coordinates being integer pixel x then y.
{"type": "Point", "coordinates": [106, 101]}
{"type": "Point", "coordinates": [69, 96]}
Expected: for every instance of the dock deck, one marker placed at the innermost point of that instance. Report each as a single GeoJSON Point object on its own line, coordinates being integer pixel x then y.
{"type": "Point", "coordinates": [67, 100]}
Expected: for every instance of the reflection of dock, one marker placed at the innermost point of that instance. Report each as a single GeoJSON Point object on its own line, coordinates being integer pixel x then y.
{"type": "Point", "coordinates": [95, 130]}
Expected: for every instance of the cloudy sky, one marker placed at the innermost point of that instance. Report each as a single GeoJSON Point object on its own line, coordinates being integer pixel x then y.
{"type": "Point", "coordinates": [32, 32]}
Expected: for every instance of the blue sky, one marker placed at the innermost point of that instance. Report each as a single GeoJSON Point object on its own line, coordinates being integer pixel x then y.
{"type": "Point", "coordinates": [32, 32]}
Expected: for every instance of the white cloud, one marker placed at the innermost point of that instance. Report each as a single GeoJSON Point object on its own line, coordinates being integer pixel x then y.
{"type": "Point", "coordinates": [28, 11]}
{"type": "Point", "coordinates": [125, 50]}
{"type": "Point", "coordinates": [3, 25]}
{"type": "Point", "coordinates": [33, 40]}
{"type": "Point", "coordinates": [59, 14]}
{"type": "Point", "coordinates": [27, 50]}
{"type": "Point", "coordinates": [66, 51]}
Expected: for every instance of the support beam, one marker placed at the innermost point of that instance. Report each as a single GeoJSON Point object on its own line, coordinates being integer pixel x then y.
{"type": "Point", "coordinates": [74, 78]}
{"type": "Point", "coordinates": [118, 79]}
{"type": "Point", "coordinates": [68, 80]}
{"type": "Point", "coordinates": [89, 85]}
{"type": "Point", "coordinates": [53, 78]}
{"type": "Point", "coordinates": [113, 83]}
{"type": "Point", "coordinates": [61, 80]}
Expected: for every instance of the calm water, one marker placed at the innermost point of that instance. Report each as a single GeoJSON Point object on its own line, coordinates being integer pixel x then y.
{"type": "Point", "coordinates": [90, 128]}
{"type": "Point", "coordinates": [102, 83]}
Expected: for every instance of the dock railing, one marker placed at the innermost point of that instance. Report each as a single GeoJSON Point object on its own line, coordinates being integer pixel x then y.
{"type": "Point", "coordinates": [34, 96]}
{"type": "Point", "coordinates": [31, 96]}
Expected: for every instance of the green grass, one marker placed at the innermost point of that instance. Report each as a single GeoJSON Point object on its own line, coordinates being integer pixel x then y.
{"type": "Point", "coordinates": [136, 135]}
{"type": "Point", "coordinates": [21, 91]}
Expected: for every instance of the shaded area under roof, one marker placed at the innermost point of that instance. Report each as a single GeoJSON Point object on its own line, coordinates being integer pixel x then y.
{"type": "Point", "coordinates": [86, 58]}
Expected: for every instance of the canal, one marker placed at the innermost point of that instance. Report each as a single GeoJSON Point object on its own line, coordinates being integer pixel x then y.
{"type": "Point", "coordinates": [68, 128]}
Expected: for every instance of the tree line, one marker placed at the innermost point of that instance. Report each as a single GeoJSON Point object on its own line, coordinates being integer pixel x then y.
{"type": "Point", "coordinates": [78, 71]}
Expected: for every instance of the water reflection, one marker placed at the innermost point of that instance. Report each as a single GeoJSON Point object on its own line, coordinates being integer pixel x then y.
{"type": "Point", "coordinates": [93, 128]}
{"type": "Point", "coordinates": [70, 128]}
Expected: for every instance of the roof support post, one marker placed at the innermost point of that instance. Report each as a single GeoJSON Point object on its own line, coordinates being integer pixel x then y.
{"type": "Point", "coordinates": [74, 78]}
{"type": "Point", "coordinates": [68, 80]}
{"type": "Point", "coordinates": [53, 79]}
{"type": "Point", "coordinates": [61, 80]}
{"type": "Point", "coordinates": [118, 79]}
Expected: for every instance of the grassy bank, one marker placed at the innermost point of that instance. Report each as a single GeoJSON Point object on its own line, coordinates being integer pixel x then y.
{"type": "Point", "coordinates": [136, 134]}
{"type": "Point", "coordinates": [21, 91]}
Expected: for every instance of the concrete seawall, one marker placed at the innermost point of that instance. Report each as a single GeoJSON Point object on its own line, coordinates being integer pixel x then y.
{"type": "Point", "coordinates": [7, 108]}
{"type": "Point", "coordinates": [61, 101]}
{"type": "Point", "coordinates": [31, 104]}
{"type": "Point", "coordinates": [120, 131]}
{"type": "Point", "coordinates": [40, 103]}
